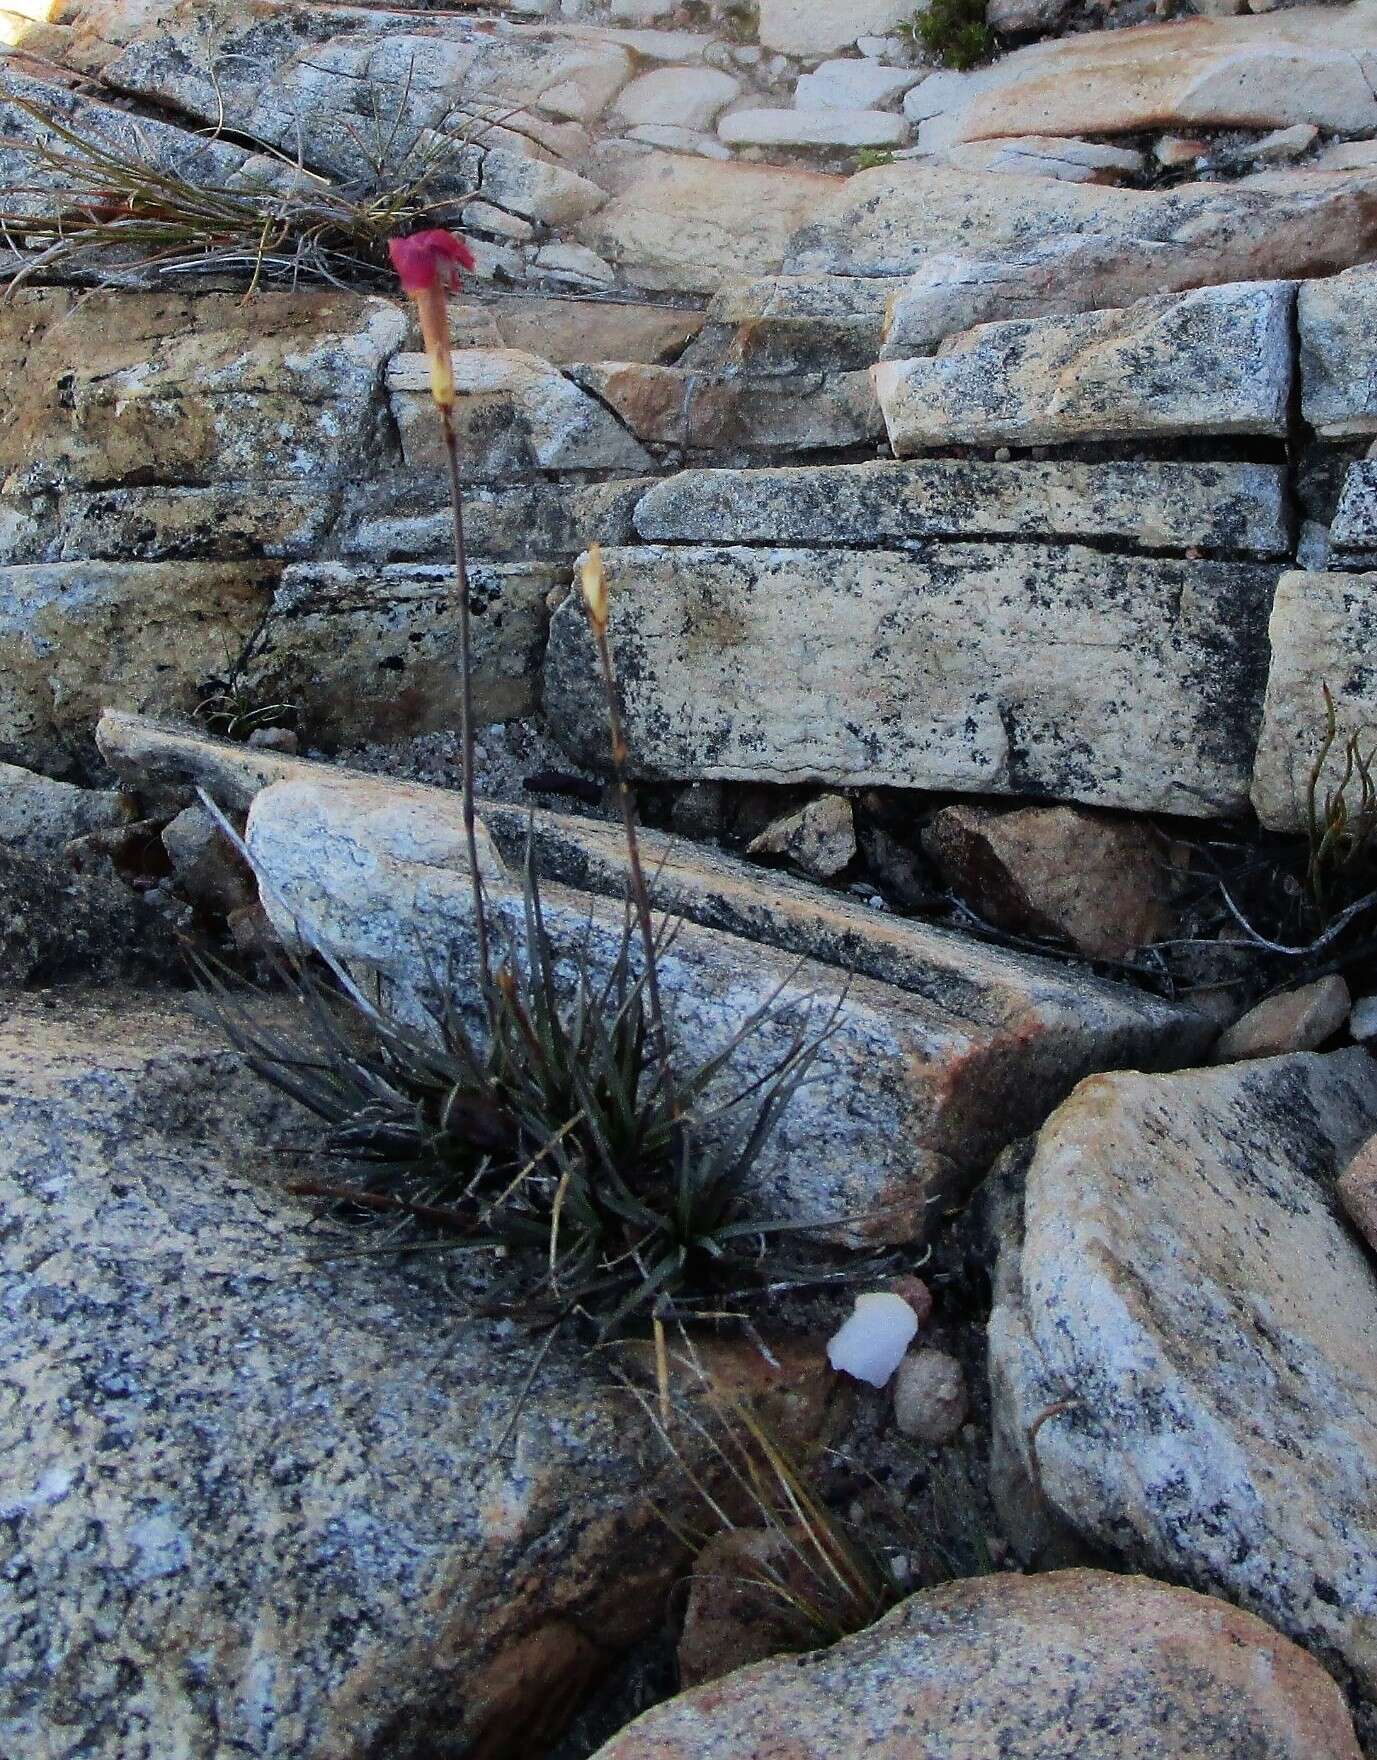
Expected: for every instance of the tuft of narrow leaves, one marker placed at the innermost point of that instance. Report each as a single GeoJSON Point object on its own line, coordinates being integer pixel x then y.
{"type": "Point", "coordinates": [536, 1117]}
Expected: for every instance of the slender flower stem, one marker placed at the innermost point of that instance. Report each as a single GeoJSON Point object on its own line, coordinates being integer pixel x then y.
{"type": "Point", "coordinates": [640, 892]}
{"type": "Point", "coordinates": [461, 571]}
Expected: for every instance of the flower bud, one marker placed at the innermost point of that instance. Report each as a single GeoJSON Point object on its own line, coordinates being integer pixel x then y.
{"type": "Point", "coordinates": [593, 583]}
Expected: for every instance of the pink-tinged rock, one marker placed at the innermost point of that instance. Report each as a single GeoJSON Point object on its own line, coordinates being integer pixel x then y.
{"type": "Point", "coordinates": [1296, 1020]}
{"type": "Point", "coordinates": [1073, 1665]}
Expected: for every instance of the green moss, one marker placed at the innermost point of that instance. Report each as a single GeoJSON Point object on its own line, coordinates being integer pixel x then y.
{"type": "Point", "coordinates": [869, 157]}
{"type": "Point", "coordinates": [953, 30]}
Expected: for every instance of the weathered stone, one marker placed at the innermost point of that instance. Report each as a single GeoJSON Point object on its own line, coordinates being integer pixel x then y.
{"type": "Point", "coordinates": [1322, 630]}
{"type": "Point", "coordinates": [676, 139]}
{"type": "Point", "coordinates": [1282, 144]}
{"type": "Point", "coordinates": [819, 839]}
{"type": "Point", "coordinates": [1212, 507]}
{"type": "Point", "coordinates": [515, 414]}
{"type": "Point", "coordinates": [1071, 1662]}
{"type": "Point", "coordinates": [552, 195]}
{"type": "Point", "coordinates": [76, 637]}
{"type": "Point", "coordinates": [252, 1481]}
{"type": "Point", "coordinates": [685, 223]}
{"type": "Point", "coordinates": [1357, 1189]}
{"type": "Point", "coordinates": [573, 263]}
{"type": "Point", "coordinates": [207, 868]}
{"type": "Point", "coordinates": [978, 249]}
{"type": "Point", "coordinates": [1217, 360]}
{"type": "Point", "coordinates": [1294, 1020]}
{"type": "Point", "coordinates": [964, 669]}
{"type": "Point", "coordinates": [1010, 16]}
{"type": "Point", "coordinates": [38, 815]}
{"type": "Point", "coordinates": [1099, 882]}
{"type": "Point", "coordinates": [794, 323]}
{"type": "Point", "coordinates": [930, 1397]}
{"type": "Point", "coordinates": [1184, 1341]}
{"type": "Point", "coordinates": [60, 927]}
{"type": "Point", "coordinates": [561, 330]}
{"type": "Point", "coordinates": [689, 97]}
{"type": "Point", "coordinates": [1310, 64]}
{"type": "Point", "coordinates": [1346, 156]}
{"type": "Point", "coordinates": [484, 217]}
{"type": "Point", "coordinates": [1354, 526]}
{"type": "Point", "coordinates": [1337, 318]}
{"type": "Point", "coordinates": [1042, 155]}
{"type": "Point", "coordinates": [114, 389]}
{"type": "Point", "coordinates": [293, 80]}
{"type": "Point", "coordinates": [854, 85]}
{"type": "Point", "coordinates": [813, 128]}
{"type": "Point", "coordinates": [820, 27]}
{"type": "Point", "coordinates": [280, 517]}
{"type": "Point", "coordinates": [1063, 1023]}
{"type": "Point", "coordinates": [374, 653]}
{"type": "Point", "coordinates": [728, 413]}
{"type": "Point", "coordinates": [901, 1101]}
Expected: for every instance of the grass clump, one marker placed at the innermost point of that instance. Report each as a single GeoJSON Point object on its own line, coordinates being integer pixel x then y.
{"type": "Point", "coordinates": [120, 215]}
{"type": "Point", "coordinates": [954, 31]}
{"type": "Point", "coordinates": [824, 1574]}
{"type": "Point", "coordinates": [535, 1116]}
{"type": "Point", "coordinates": [1341, 822]}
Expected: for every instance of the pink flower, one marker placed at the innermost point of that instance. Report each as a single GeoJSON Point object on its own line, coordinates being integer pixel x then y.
{"type": "Point", "coordinates": [428, 265]}
{"type": "Point", "coordinates": [430, 259]}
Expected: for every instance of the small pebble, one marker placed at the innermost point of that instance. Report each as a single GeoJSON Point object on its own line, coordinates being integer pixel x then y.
{"type": "Point", "coordinates": [930, 1399]}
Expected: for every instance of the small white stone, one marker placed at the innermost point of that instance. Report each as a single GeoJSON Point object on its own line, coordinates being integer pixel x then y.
{"type": "Point", "coordinates": [1362, 1023]}
{"type": "Point", "coordinates": [871, 1343]}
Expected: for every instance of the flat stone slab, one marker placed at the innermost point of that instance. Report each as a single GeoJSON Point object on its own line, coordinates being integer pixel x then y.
{"type": "Point", "coordinates": [912, 1092]}
{"type": "Point", "coordinates": [813, 128]}
{"type": "Point", "coordinates": [251, 1492]}
{"type": "Point", "coordinates": [983, 668]}
{"type": "Point", "coordinates": [1220, 508]}
{"type": "Point", "coordinates": [1337, 320]}
{"type": "Point", "coordinates": [1213, 361]}
{"type": "Point", "coordinates": [1070, 1663]}
{"type": "Point", "coordinates": [1310, 64]}
{"type": "Point", "coordinates": [1322, 630]}
{"type": "Point", "coordinates": [1184, 1340]}
{"type": "Point", "coordinates": [373, 653]}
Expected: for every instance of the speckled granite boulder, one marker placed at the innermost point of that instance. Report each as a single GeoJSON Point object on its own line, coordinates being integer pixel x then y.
{"type": "Point", "coordinates": [252, 1499]}
{"type": "Point", "coordinates": [1077, 1665]}
{"type": "Point", "coordinates": [1183, 1349]}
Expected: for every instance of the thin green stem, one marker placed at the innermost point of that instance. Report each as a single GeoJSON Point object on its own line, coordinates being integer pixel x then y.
{"type": "Point", "coordinates": [640, 892]}
{"type": "Point", "coordinates": [461, 571]}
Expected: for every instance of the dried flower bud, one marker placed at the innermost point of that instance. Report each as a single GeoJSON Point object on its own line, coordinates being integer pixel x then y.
{"type": "Point", "coordinates": [593, 583]}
